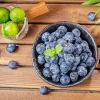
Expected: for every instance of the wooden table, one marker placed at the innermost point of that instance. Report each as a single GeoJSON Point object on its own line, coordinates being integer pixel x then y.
{"type": "Point", "coordinates": [23, 83]}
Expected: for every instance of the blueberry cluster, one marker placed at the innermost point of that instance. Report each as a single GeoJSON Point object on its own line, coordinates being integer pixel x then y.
{"type": "Point", "coordinates": [72, 63]}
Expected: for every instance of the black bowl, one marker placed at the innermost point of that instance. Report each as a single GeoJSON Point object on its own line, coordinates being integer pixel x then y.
{"type": "Point", "coordinates": [51, 28]}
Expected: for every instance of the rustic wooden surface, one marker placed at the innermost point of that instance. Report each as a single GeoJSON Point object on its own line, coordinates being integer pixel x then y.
{"type": "Point", "coordinates": [24, 83]}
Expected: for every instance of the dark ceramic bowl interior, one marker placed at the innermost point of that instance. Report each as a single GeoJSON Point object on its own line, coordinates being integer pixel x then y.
{"type": "Point", "coordinates": [51, 28]}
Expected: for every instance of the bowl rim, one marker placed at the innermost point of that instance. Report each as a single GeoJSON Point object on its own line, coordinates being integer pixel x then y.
{"type": "Point", "coordinates": [73, 84]}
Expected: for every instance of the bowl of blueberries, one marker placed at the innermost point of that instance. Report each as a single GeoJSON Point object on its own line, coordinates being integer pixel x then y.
{"type": "Point", "coordinates": [64, 54]}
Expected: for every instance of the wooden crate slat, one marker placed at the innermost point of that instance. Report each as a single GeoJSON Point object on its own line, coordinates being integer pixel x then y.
{"type": "Point", "coordinates": [26, 77]}
{"type": "Point", "coordinates": [34, 30]}
{"type": "Point", "coordinates": [35, 95]}
{"type": "Point", "coordinates": [23, 55]}
{"type": "Point", "coordinates": [63, 12]}
{"type": "Point", "coordinates": [34, 1]}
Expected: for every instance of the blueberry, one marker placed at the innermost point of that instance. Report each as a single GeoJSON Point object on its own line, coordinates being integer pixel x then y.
{"type": "Point", "coordinates": [61, 54]}
{"type": "Point", "coordinates": [53, 44]}
{"type": "Point", "coordinates": [11, 47]}
{"type": "Point", "coordinates": [78, 39]}
{"type": "Point", "coordinates": [85, 46]}
{"type": "Point", "coordinates": [61, 60]}
{"type": "Point", "coordinates": [53, 33]}
{"type": "Point", "coordinates": [74, 76]}
{"type": "Point", "coordinates": [45, 36]}
{"type": "Point", "coordinates": [47, 72]}
{"type": "Point", "coordinates": [12, 64]}
{"type": "Point", "coordinates": [89, 52]}
{"type": "Point", "coordinates": [69, 48]}
{"type": "Point", "coordinates": [65, 79]}
{"type": "Point", "coordinates": [77, 60]}
{"type": "Point", "coordinates": [83, 64]}
{"type": "Point", "coordinates": [83, 57]}
{"type": "Point", "coordinates": [55, 78]}
{"type": "Point", "coordinates": [54, 59]}
{"type": "Point", "coordinates": [54, 68]}
{"type": "Point", "coordinates": [40, 48]}
{"type": "Point", "coordinates": [78, 49]}
{"type": "Point", "coordinates": [41, 59]}
{"type": "Point", "coordinates": [90, 61]}
{"type": "Point", "coordinates": [73, 68]}
{"type": "Point", "coordinates": [82, 71]}
{"type": "Point", "coordinates": [76, 32]}
{"type": "Point", "coordinates": [47, 59]}
{"type": "Point", "coordinates": [52, 38]}
{"type": "Point", "coordinates": [62, 30]}
{"type": "Point", "coordinates": [57, 35]}
{"type": "Point", "coordinates": [69, 37]}
{"type": "Point", "coordinates": [47, 45]}
{"type": "Point", "coordinates": [61, 41]}
{"type": "Point", "coordinates": [44, 90]}
{"type": "Point", "coordinates": [91, 16]}
{"type": "Point", "coordinates": [64, 68]}
{"type": "Point", "coordinates": [46, 65]}
{"type": "Point", "coordinates": [69, 59]}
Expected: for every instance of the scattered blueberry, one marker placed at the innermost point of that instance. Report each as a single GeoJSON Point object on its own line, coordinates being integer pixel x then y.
{"type": "Point", "coordinates": [41, 59]}
{"type": "Point", "coordinates": [55, 78]}
{"type": "Point", "coordinates": [44, 90]}
{"type": "Point", "coordinates": [40, 48]}
{"type": "Point", "coordinates": [74, 76]}
{"type": "Point", "coordinates": [91, 16]}
{"type": "Point", "coordinates": [45, 36]}
{"type": "Point", "coordinates": [76, 32]}
{"type": "Point", "coordinates": [54, 68]}
{"type": "Point", "coordinates": [90, 61]}
{"type": "Point", "coordinates": [82, 71]}
{"type": "Point", "coordinates": [47, 72]}
{"type": "Point", "coordinates": [12, 64]}
{"type": "Point", "coordinates": [11, 47]}
{"type": "Point", "coordinates": [65, 79]}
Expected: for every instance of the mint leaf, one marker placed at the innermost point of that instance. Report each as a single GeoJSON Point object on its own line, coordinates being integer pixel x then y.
{"type": "Point", "coordinates": [58, 48]}
{"type": "Point", "coordinates": [48, 52]}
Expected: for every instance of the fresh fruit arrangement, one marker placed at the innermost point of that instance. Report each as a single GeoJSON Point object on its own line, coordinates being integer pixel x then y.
{"type": "Point", "coordinates": [65, 57]}
{"type": "Point", "coordinates": [10, 20]}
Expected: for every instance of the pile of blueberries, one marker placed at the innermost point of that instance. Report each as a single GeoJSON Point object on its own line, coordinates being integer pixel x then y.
{"type": "Point", "coordinates": [72, 63]}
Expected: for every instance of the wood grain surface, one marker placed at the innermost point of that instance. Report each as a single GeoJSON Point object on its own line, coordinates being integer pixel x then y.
{"type": "Point", "coordinates": [63, 12]}
{"type": "Point", "coordinates": [35, 95]}
{"type": "Point", "coordinates": [34, 30]}
{"type": "Point", "coordinates": [34, 1]}
{"type": "Point", "coordinates": [23, 55]}
{"type": "Point", "coordinates": [26, 77]}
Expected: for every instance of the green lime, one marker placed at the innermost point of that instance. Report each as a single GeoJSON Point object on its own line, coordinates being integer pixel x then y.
{"type": "Point", "coordinates": [4, 15]}
{"type": "Point", "coordinates": [17, 15]}
{"type": "Point", "coordinates": [2, 31]}
{"type": "Point", "coordinates": [11, 28]}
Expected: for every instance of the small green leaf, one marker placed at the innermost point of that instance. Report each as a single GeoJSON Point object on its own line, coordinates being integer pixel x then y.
{"type": "Point", "coordinates": [48, 52]}
{"type": "Point", "coordinates": [58, 48]}
{"type": "Point", "coordinates": [89, 2]}
{"type": "Point", "coordinates": [97, 11]}
{"type": "Point", "coordinates": [98, 4]}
